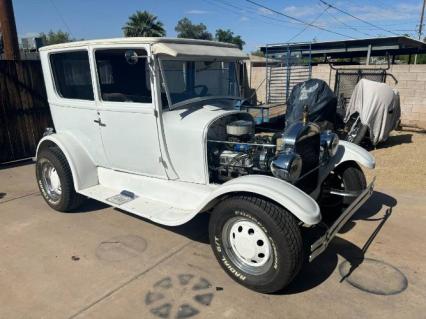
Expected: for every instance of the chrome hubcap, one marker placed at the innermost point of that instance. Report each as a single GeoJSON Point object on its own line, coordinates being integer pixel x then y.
{"type": "Point", "coordinates": [51, 181]}
{"type": "Point", "coordinates": [247, 245]}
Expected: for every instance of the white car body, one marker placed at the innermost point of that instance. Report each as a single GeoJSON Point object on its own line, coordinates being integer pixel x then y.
{"type": "Point", "coordinates": [160, 155]}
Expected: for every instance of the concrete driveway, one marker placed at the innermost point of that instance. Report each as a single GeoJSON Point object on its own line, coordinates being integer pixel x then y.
{"type": "Point", "coordinates": [103, 263]}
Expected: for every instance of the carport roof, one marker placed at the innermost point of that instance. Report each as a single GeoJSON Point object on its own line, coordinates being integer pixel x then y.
{"type": "Point", "coordinates": [352, 48]}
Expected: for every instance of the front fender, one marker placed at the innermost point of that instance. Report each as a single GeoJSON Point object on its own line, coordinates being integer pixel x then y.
{"type": "Point", "coordinates": [293, 199]}
{"type": "Point", "coordinates": [351, 152]}
{"type": "Point", "coordinates": [83, 169]}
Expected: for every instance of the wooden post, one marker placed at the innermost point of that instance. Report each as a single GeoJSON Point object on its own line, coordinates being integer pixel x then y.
{"type": "Point", "coordinates": [8, 27]}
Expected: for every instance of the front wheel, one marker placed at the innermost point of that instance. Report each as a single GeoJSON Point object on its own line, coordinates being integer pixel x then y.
{"type": "Point", "coordinates": [257, 242]}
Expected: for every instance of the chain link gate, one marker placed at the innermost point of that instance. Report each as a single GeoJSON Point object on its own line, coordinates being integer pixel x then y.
{"type": "Point", "coordinates": [347, 79]}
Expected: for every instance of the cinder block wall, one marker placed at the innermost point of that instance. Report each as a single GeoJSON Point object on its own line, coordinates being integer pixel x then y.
{"type": "Point", "coordinates": [411, 86]}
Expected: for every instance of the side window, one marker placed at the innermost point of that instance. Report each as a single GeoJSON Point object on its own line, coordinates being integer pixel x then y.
{"type": "Point", "coordinates": [121, 81]}
{"type": "Point", "coordinates": [71, 72]}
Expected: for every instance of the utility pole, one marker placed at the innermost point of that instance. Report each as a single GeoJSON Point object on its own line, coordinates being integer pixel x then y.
{"type": "Point", "coordinates": [422, 14]}
{"type": "Point", "coordinates": [8, 28]}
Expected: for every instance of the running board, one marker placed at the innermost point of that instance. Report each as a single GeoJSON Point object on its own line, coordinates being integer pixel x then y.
{"type": "Point", "coordinates": [157, 211]}
{"type": "Point", "coordinates": [165, 202]}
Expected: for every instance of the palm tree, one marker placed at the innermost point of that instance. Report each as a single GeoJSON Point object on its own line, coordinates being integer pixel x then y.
{"type": "Point", "coordinates": [143, 24]}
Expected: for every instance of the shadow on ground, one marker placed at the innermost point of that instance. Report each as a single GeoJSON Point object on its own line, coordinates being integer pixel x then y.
{"type": "Point", "coordinates": [197, 229]}
{"type": "Point", "coordinates": [316, 272]}
{"type": "Point", "coordinates": [90, 205]}
{"type": "Point", "coordinates": [367, 212]}
{"type": "Point", "coordinates": [18, 163]}
{"type": "Point", "coordinates": [397, 140]}
{"type": "Point", "coordinates": [390, 142]}
{"type": "Point", "coordinates": [2, 195]}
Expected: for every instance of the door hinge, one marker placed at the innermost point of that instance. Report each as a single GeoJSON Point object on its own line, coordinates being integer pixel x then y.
{"type": "Point", "coordinates": [155, 113]}
{"type": "Point", "coordinates": [163, 162]}
{"type": "Point", "coordinates": [99, 122]}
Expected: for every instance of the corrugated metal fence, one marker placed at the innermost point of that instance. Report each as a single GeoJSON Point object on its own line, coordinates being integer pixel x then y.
{"type": "Point", "coordinates": [24, 110]}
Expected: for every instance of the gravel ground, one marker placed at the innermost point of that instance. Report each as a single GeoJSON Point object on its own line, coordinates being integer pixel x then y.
{"type": "Point", "coordinates": [400, 162]}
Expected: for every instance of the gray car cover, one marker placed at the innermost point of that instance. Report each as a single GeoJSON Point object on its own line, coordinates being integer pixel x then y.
{"type": "Point", "coordinates": [378, 106]}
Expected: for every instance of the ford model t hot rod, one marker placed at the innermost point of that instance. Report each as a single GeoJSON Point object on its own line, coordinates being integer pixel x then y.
{"type": "Point", "coordinates": [152, 126]}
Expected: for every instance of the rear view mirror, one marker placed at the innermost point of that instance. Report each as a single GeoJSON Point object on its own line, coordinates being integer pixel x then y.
{"type": "Point", "coordinates": [131, 57]}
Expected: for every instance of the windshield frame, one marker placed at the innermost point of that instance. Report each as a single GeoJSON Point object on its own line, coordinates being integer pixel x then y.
{"type": "Point", "coordinates": [163, 83]}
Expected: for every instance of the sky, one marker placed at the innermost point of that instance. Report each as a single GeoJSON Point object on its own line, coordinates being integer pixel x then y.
{"type": "Point", "coordinates": [95, 19]}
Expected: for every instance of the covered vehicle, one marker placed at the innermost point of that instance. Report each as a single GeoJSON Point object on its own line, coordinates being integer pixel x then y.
{"type": "Point", "coordinates": [318, 98]}
{"type": "Point", "coordinates": [375, 108]}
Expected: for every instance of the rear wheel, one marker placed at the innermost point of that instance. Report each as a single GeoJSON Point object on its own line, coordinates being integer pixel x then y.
{"type": "Point", "coordinates": [256, 242]}
{"type": "Point", "coordinates": [55, 181]}
{"type": "Point", "coordinates": [347, 178]}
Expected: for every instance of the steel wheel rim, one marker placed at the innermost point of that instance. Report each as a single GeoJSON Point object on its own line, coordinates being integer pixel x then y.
{"type": "Point", "coordinates": [51, 181]}
{"type": "Point", "coordinates": [247, 246]}
{"type": "Point", "coordinates": [334, 181]}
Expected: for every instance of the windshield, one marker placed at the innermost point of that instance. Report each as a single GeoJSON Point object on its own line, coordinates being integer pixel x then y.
{"type": "Point", "coordinates": [185, 81]}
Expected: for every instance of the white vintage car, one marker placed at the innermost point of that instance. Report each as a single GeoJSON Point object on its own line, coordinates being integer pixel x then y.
{"type": "Point", "coordinates": [153, 126]}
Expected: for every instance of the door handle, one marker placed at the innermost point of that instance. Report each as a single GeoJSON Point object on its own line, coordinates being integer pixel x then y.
{"type": "Point", "coordinates": [99, 122]}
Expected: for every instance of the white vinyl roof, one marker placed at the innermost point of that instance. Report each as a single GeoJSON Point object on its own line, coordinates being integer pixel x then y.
{"type": "Point", "coordinates": [174, 47]}
{"type": "Point", "coordinates": [190, 50]}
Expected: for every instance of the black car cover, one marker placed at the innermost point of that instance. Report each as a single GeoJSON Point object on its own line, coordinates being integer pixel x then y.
{"type": "Point", "coordinates": [319, 98]}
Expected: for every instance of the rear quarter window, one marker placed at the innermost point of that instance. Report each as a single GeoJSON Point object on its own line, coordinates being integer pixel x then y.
{"type": "Point", "coordinates": [71, 73]}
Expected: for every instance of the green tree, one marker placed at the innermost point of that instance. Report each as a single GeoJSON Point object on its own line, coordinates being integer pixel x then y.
{"type": "Point", "coordinates": [143, 24]}
{"type": "Point", "coordinates": [186, 29]}
{"type": "Point", "coordinates": [55, 37]}
{"type": "Point", "coordinates": [257, 53]}
{"type": "Point", "coordinates": [229, 37]}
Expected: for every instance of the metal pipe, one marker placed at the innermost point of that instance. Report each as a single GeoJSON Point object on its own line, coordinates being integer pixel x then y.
{"type": "Point", "coordinates": [239, 143]}
{"type": "Point", "coordinates": [368, 55]}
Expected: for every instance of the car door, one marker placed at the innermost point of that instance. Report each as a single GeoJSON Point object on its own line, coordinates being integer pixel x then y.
{"type": "Point", "coordinates": [127, 116]}
{"type": "Point", "coordinates": [72, 102]}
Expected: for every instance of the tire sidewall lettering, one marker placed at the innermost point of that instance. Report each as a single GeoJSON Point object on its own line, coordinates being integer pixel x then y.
{"type": "Point", "coordinates": [232, 269]}
{"type": "Point", "coordinates": [42, 186]}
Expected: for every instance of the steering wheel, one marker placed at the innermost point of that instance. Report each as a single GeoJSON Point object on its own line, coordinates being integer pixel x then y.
{"type": "Point", "coordinates": [204, 89]}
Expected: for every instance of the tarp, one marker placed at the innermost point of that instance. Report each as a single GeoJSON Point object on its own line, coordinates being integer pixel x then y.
{"type": "Point", "coordinates": [319, 98]}
{"type": "Point", "coordinates": [379, 108]}
{"type": "Point", "coordinates": [177, 50]}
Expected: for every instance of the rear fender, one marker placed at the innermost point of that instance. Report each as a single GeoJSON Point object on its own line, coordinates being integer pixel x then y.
{"type": "Point", "coordinates": [290, 197]}
{"type": "Point", "coordinates": [83, 169]}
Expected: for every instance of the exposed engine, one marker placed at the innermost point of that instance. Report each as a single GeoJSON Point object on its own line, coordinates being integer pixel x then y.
{"type": "Point", "coordinates": [242, 152]}
{"type": "Point", "coordinates": [235, 149]}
